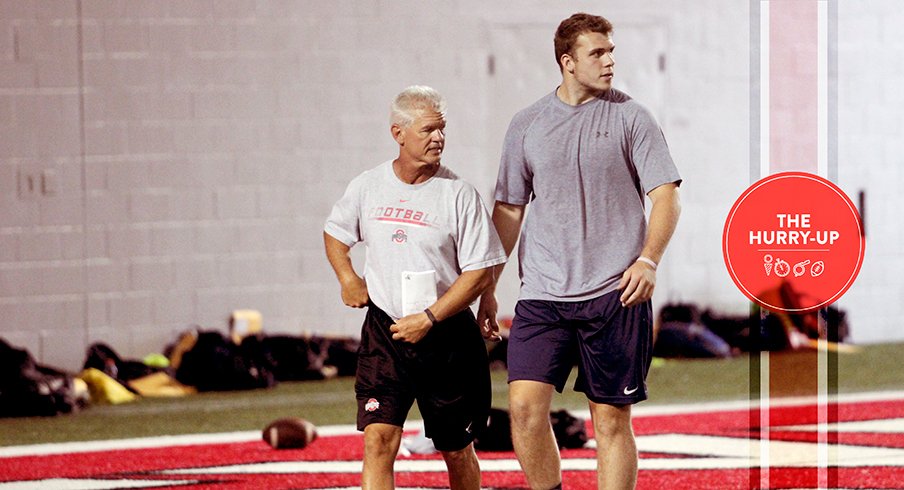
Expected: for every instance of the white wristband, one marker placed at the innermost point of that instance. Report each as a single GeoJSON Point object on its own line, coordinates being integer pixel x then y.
{"type": "Point", "coordinates": [648, 261]}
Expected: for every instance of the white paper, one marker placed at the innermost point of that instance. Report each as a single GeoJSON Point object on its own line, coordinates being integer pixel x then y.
{"type": "Point", "coordinates": [418, 291]}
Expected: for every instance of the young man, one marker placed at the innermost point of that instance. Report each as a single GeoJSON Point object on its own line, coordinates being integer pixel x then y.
{"type": "Point", "coordinates": [430, 243]}
{"type": "Point", "coordinates": [584, 157]}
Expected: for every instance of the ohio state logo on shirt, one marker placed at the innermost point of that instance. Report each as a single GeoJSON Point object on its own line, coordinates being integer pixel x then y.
{"type": "Point", "coordinates": [399, 236]}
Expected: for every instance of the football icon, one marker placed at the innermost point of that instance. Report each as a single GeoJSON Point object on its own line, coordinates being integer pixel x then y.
{"type": "Point", "coordinates": [289, 433]}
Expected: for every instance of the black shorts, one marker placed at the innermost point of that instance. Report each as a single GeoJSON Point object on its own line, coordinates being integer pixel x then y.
{"type": "Point", "coordinates": [611, 345]}
{"type": "Point", "coordinates": [447, 372]}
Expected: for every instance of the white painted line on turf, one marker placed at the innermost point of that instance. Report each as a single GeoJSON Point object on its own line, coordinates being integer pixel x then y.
{"type": "Point", "coordinates": [119, 444]}
{"type": "Point", "coordinates": [883, 426]}
{"type": "Point", "coordinates": [781, 453]}
{"type": "Point", "coordinates": [687, 408]}
{"type": "Point", "coordinates": [89, 484]}
{"type": "Point", "coordinates": [153, 442]}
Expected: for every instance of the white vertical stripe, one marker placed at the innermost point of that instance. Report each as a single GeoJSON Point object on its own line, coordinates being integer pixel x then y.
{"type": "Point", "coordinates": [822, 367]}
{"type": "Point", "coordinates": [764, 89]}
{"type": "Point", "coordinates": [822, 89]}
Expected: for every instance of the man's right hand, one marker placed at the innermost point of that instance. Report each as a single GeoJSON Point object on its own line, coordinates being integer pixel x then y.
{"type": "Point", "coordinates": [354, 292]}
{"type": "Point", "coordinates": [486, 316]}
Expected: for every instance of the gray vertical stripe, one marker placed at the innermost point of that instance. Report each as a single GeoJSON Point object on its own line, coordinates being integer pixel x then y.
{"type": "Point", "coordinates": [832, 91]}
{"type": "Point", "coordinates": [754, 383]}
{"type": "Point", "coordinates": [832, 174]}
{"type": "Point", "coordinates": [755, 92]}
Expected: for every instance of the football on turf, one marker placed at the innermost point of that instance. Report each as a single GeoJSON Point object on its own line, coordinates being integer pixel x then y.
{"type": "Point", "coordinates": [289, 433]}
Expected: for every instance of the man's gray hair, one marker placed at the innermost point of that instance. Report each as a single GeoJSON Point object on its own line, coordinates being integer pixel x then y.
{"type": "Point", "coordinates": [412, 100]}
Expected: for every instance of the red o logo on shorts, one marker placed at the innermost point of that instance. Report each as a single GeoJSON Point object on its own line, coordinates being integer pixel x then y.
{"type": "Point", "coordinates": [372, 405]}
{"type": "Point", "coordinates": [793, 242]}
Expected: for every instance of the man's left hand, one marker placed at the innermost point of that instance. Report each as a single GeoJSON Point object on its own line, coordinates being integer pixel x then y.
{"type": "Point", "coordinates": [637, 284]}
{"type": "Point", "coordinates": [411, 328]}
{"type": "Point", "coordinates": [486, 316]}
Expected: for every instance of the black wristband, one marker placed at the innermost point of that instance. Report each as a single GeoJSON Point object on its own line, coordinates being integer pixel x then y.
{"type": "Point", "coordinates": [430, 316]}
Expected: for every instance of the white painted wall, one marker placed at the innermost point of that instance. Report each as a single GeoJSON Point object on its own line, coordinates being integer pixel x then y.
{"type": "Point", "coordinates": [186, 152]}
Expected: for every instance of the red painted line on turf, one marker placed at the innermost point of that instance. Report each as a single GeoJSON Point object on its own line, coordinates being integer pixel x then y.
{"type": "Point", "coordinates": [726, 426]}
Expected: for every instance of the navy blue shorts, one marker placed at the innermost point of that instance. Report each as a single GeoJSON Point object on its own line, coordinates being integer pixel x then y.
{"type": "Point", "coordinates": [447, 372]}
{"type": "Point", "coordinates": [611, 345]}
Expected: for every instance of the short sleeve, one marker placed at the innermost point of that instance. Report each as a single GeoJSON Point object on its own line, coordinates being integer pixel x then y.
{"type": "Point", "coordinates": [650, 152]}
{"type": "Point", "coordinates": [344, 221]}
{"type": "Point", "coordinates": [477, 243]}
{"type": "Point", "coordinates": [514, 184]}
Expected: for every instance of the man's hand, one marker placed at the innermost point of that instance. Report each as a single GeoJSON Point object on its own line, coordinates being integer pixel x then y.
{"type": "Point", "coordinates": [639, 280]}
{"type": "Point", "coordinates": [486, 316]}
{"type": "Point", "coordinates": [354, 289]}
{"type": "Point", "coordinates": [354, 292]}
{"type": "Point", "coordinates": [411, 328]}
{"type": "Point", "coordinates": [638, 283]}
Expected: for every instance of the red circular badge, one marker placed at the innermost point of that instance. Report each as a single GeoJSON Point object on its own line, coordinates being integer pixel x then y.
{"type": "Point", "coordinates": [793, 242]}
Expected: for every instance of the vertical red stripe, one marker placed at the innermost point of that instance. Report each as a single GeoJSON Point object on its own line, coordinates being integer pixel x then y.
{"type": "Point", "coordinates": [793, 82]}
{"type": "Point", "coordinates": [793, 145]}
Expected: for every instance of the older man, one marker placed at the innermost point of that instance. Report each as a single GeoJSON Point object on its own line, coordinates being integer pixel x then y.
{"type": "Point", "coordinates": [431, 251]}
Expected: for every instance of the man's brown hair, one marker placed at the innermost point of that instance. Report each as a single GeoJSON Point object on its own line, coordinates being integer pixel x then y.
{"type": "Point", "coordinates": [572, 27]}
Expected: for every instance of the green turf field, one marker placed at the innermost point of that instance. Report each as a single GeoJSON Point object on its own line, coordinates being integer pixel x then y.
{"type": "Point", "coordinates": [874, 368]}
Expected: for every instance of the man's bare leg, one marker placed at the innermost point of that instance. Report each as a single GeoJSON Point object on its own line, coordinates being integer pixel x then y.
{"type": "Point", "coordinates": [616, 452]}
{"type": "Point", "coordinates": [381, 444]}
{"type": "Point", "coordinates": [464, 469]}
{"type": "Point", "coordinates": [535, 444]}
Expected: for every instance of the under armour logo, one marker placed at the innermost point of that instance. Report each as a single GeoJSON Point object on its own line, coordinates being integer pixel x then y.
{"type": "Point", "coordinates": [605, 135]}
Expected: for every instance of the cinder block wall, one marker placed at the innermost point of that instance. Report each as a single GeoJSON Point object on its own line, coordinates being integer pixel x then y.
{"type": "Point", "coordinates": [871, 159]}
{"type": "Point", "coordinates": [165, 162]}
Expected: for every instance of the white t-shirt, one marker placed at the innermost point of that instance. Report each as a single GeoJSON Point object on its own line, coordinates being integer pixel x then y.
{"type": "Point", "coordinates": [441, 225]}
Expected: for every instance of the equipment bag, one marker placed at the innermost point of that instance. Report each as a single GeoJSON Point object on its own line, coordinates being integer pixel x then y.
{"type": "Point", "coordinates": [29, 389]}
{"type": "Point", "coordinates": [217, 364]}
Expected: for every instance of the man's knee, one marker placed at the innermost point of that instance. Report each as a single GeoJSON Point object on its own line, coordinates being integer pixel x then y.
{"type": "Point", "coordinates": [608, 429]}
{"type": "Point", "coordinates": [612, 421]}
{"type": "Point", "coordinates": [529, 405]}
{"type": "Point", "coordinates": [461, 456]}
{"type": "Point", "coordinates": [528, 416]}
{"type": "Point", "coordinates": [381, 441]}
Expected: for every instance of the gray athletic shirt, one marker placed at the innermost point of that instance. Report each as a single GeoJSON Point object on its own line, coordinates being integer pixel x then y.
{"type": "Point", "coordinates": [585, 171]}
{"type": "Point", "coordinates": [441, 224]}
